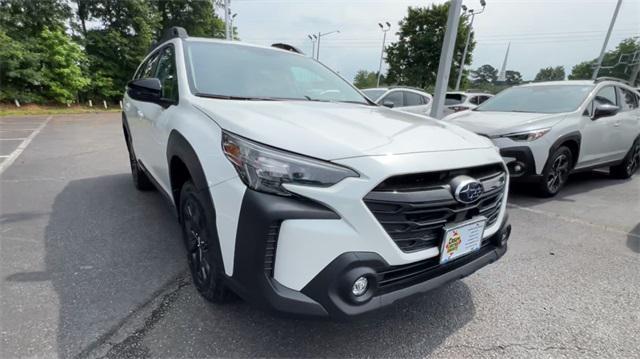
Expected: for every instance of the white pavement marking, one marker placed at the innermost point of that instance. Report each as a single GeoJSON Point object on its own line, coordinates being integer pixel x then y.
{"type": "Point", "coordinates": [573, 220]}
{"type": "Point", "coordinates": [13, 139]}
{"type": "Point", "coordinates": [19, 129]}
{"type": "Point", "coordinates": [14, 155]}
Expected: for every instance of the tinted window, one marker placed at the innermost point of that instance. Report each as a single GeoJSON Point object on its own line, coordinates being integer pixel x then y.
{"type": "Point", "coordinates": [475, 100]}
{"type": "Point", "coordinates": [607, 95]}
{"type": "Point", "coordinates": [426, 100]}
{"type": "Point", "coordinates": [395, 97]}
{"type": "Point", "coordinates": [412, 99]}
{"type": "Point", "coordinates": [167, 74]}
{"type": "Point", "coordinates": [150, 67]}
{"type": "Point", "coordinates": [454, 98]}
{"type": "Point", "coordinates": [483, 99]}
{"type": "Point", "coordinates": [374, 94]}
{"type": "Point", "coordinates": [538, 99]}
{"type": "Point", "coordinates": [223, 69]}
{"type": "Point", "coordinates": [629, 99]}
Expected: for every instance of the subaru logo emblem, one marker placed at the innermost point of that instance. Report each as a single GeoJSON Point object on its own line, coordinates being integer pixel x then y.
{"type": "Point", "coordinates": [466, 189]}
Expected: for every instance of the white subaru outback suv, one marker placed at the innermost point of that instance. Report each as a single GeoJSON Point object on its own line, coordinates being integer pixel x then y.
{"type": "Point", "coordinates": [296, 192]}
{"type": "Point", "coordinates": [547, 130]}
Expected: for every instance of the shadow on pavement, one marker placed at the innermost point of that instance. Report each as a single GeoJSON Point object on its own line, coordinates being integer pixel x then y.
{"type": "Point", "coordinates": [633, 239]}
{"type": "Point", "coordinates": [108, 248]}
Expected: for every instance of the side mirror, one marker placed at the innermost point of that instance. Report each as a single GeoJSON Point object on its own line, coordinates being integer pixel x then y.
{"type": "Point", "coordinates": [147, 90]}
{"type": "Point", "coordinates": [604, 110]}
{"type": "Point", "coordinates": [388, 104]}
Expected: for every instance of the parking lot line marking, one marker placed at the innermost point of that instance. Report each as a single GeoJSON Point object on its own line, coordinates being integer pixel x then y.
{"type": "Point", "coordinates": [13, 139]}
{"type": "Point", "coordinates": [14, 155]}
{"type": "Point", "coordinates": [19, 129]}
{"type": "Point", "coordinates": [573, 220]}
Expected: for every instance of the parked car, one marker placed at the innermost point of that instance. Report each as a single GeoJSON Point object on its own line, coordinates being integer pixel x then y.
{"type": "Point", "coordinates": [404, 99]}
{"type": "Point", "coordinates": [299, 194]}
{"type": "Point", "coordinates": [547, 130]}
{"type": "Point", "coordinates": [462, 101]}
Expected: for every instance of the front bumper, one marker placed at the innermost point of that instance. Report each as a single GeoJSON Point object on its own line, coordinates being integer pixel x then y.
{"type": "Point", "coordinates": [327, 294]}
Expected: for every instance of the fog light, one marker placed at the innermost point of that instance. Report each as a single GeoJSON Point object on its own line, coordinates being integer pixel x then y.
{"type": "Point", "coordinates": [360, 286]}
{"type": "Point", "coordinates": [517, 168]}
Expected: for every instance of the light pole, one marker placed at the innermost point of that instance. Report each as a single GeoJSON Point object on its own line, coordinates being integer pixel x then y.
{"type": "Point", "coordinates": [321, 35]}
{"type": "Point", "coordinates": [227, 12]}
{"type": "Point", "coordinates": [233, 17]}
{"type": "Point", "coordinates": [384, 38]}
{"type": "Point", "coordinates": [313, 39]}
{"type": "Point", "coordinates": [466, 45]}
{"type": "Point", "coordinates": [606, 41]}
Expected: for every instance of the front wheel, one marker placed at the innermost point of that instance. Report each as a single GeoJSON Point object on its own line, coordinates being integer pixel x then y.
{"type": "Point", "coordinates": [556, 172]}
{"type": "Point", "coordinates": [199, 235]}
{"type": "Point", "coordinates": [630, 164]}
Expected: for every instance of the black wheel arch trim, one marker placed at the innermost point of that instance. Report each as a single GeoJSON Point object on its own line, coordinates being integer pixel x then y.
{"type": "Point", "coordinates": [179, 147]}
{"type": "Point", "coordinates": [575, 136]}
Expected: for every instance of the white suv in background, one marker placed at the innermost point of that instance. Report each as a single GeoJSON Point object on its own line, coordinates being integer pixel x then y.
{"type": "Point", "coordinates": [461, 101]}
{"type": "Point", "coordinates": [404, 99]}
{"type": "Point", "coordinates": [547, 130]}
{"type": "Point", "coordinates": [296, 192]}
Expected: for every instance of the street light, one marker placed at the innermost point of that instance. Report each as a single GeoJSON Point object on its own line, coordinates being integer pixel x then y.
{"type": "Point", "coordinates": [233, 18]}
{"type": "Point", "coordinates": [384, 38]}
{"type": "Point", "coordinates": [321, 35]}
{"type": "Point", "coordinates": [313, 39]}
{"type": "Point", "coordinates": [473, 14]}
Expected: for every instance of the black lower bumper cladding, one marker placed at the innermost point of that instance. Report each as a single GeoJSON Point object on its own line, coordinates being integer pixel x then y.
{"type": "Point", "coordinates": [524, 158]}
{"type": "Point", "coordinates": [328, 294]}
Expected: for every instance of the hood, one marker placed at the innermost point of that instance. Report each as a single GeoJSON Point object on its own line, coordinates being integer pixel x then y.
{"type": "Point", "coordinates": [336, 130]}
{"type": "Point", "coordinates": [499, 123]}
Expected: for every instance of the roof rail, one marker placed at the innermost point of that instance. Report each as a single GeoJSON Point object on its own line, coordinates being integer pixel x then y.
{"type": "Point", "coordinates": [405, 87]}
{"type": "Point", "coordinates": [170, 33]}
{"type": "Point", "coordinates": [287, 47]}
{"type": "Point", "coordinates": [609, 78]}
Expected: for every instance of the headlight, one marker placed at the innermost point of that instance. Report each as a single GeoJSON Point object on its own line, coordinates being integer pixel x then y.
{"type": "Point", "coordinates": [266, 169]}
{"type": "Point", "coordinates": [527, 136]}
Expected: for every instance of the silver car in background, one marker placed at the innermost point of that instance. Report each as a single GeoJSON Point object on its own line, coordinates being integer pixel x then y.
{"type": "Point", "coordinates": [404, 99]}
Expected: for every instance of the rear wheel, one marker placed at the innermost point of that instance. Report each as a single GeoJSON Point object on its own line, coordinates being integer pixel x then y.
{"type": "Point", "coordinates": [630, 164]}
{"type": "Point", "coordinates": [202, 247]}
{"type": "Point", "coordinates": [556, 172]}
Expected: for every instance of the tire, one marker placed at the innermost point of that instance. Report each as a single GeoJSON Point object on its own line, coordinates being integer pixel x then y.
{"type": "Point", "coordinates": [140, 179]}
{"type": "Point", "coordinates": [556, 172]}
{"type": "Point", "coordinates": [198, 231]}
{"type": "Point", "coordinates": [630, 163]}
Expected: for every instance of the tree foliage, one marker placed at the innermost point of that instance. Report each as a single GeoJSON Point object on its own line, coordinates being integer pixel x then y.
{"type": "Point", "coordinates": [615, 63]}
{"type": "Point", "coordinates": [367, 79]}
{"type": "Point", "coordinates": [484, 74]}
{"type": "Point", "coordinates": [413, 59]}
{"type": "Point", "coordinates": [550, 74]}
{"type": "Point", "coordinates": [513, 77]}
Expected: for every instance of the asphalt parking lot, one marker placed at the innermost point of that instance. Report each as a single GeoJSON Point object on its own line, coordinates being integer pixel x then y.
{"type": "Point", "coordinates": [89, 267]}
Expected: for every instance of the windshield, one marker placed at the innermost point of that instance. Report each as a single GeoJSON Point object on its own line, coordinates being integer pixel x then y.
{"type": "Point", "coordinates": [374, 94]}
{"type": "Point", "coordinates": [538, 99]}
{"type": "Point", "coordinates": [246, 72]}
{"type": "Point", "coordinates": [454, 99]}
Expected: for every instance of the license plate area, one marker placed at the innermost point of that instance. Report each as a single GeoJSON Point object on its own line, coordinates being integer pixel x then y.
{"type": "Point", "coordinates": [461, 239]}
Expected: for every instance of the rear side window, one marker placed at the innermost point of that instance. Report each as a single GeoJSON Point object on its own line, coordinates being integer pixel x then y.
{"type": "Point", "coordinates": [475, 100]}
{"type": "Point", "coordinates": [454, 99]}
{"type": "Point", "coordinates": [482, 99]}
{"type": "Point", "coordinates": [607, 95]}
{"type": "Point", "coordinates": [426, 100]}
{"type": "Point", "coordinates": [629, 100]}
{"type": "Point", "coordinates": [395, 97]}
{"type": "Point", "coordinates": [412, 99]}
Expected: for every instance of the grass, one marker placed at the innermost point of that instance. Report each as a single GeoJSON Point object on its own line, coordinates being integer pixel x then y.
{"type": "Point", "coordinates": [30, 110]}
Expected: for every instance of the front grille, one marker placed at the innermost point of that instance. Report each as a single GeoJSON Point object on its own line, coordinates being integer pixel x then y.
{"type": "Point", "coordinates": [413, 209]}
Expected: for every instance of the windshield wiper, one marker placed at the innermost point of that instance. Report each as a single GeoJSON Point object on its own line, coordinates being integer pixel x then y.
{"type": "Point", "coordinates": [240, 98]}
{"type": "Point", "coordinates": [334, 101]}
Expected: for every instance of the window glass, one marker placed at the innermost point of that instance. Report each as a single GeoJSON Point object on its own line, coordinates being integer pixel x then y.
{"type": "Point", "coordinates": [426, 100]}
{"type": "Point", "coordinates": [395, 97]}
{"type": "Point", "coordinates": [538, 99]}
{"type": "Point", "coordinates": [483, 99]}
{"type": "Point", "coordinates": [374, 94]}
{"type": "Point", "coordinates": [454, 98]}
{"type": "Point", "coordinates": [150, 67]}
{"type": "Point", "coordinates": [607, 95]}
{"type": "Point", "coordinates": [475, 100]}
{"type": "Point", "coordinates": [230, 70]}
{"type": "Point", "coordinates": [412, 99]}
{"type": "Point", "coordinates": [167, 74]}
{"type": "Point", "coordinates": [629, 99]}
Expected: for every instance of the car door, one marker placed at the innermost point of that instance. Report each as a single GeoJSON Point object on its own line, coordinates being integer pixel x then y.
{"type": "Point", "coordinates": [158, 116]}
{"type": "Point", "coordinates": [630, 112]}
{"type": "Point", "coordinates": [135, 113]}
{"type": "Point", "coordinates": [601, 136]}
{"type": "Point", "coordinates": [393, 97]}
{"type": "Point", "coordinates": [414, 103]}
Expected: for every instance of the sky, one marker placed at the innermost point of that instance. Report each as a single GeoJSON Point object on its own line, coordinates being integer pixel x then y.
{"type": "Point", "coordinates": [542, 32]}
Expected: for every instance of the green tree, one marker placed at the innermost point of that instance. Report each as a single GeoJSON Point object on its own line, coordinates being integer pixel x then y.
{"type": "Point", "coordinates": [413, 59]}
{"type": "Point", "coordinates": [367, 79]}
{"type": "Point", "coordinates": [25, 19]}
{"type": "Point", "coordinates": [513, 77]}
{"type": "Point", "coordinates": [550, 74]}
{"type": "Point", "coordinates": [196, 16]}
{"type": "Point", "coordinates": [615, 62]}
{"type": "Point", "coordinates": [484, 74]}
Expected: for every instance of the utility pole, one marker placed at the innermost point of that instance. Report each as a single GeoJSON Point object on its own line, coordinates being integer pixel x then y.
{"type": "Point", "coordinates": [466, 44]}
{"type": "Point", "coordinates": [233, 17]}
{"type": "Point", "coordinates": [321, 35]}
{"type": "Point", "coordinates": [446, 55]}
{"type": "Point", "coordinates": [227, 27]}
{"type": "Point", "coordinates": [606, 41]}
{"type": "Point", "coordinates": [313, 45]}
{"type": "Point", "coordinates": [384, 38]}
